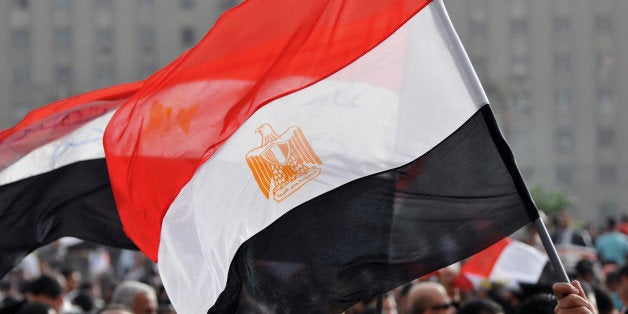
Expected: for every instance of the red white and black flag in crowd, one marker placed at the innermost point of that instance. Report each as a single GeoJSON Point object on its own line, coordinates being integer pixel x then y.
{"type": "Point", "coordinates": [53, 176]}
{"type": "Point", "coordinates": [311, 154]}
{"type": "Point", "coordinates": [307, 155]}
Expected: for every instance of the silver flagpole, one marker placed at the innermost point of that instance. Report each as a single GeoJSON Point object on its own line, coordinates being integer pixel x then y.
{"type": "Point", "coordinates": [550, 249]}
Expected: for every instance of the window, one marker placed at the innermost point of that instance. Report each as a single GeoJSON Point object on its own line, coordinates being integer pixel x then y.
{"type": "Point", "coordinates": [63, 37]}
{"type": "Point", "coordinates": [605, 136]}
{"type": "Point", "coordinates": [146, 4]}
{"type": "Point", "coordinates": [563, 101]}
{"type": "Point", "coordinates": [607, 174]}
{"type": "Point", "coordinates": [603, 65]}
{"type": "Point", "coordinates": [63, 75]}
{"type": "Point", "coordinates": [104, 40]}
{"type": "Point", "coordinates": [105, 75]}
{"type": "Point", "coordinates": [603, 23]}
{"type": "Point", "coordinates": [147, 38]}
{"type": "Point", "coordinates": [521, 102]}
{"type": "Point", "coordinates": [477, 29]}
{"type": "Point", "coordinates": [564, 174]}
{"type": "Point", "coordinates": [21, 75]}
{"type": "Point", "coordinates": [187, 4]}
{"type": "Point", "coordinates": [519, 27]}
{"type": "Point", "coordinates": [564, 140]}
{"type": "Point", "coordinates": [562, 64]}
{"type": "Point", "coordinates": [61, 4]}
{"type": "Point", "coordinates": [606, 102]}
{"type": "Point", "coordinates": [518, 7]}
{"type": "Point", "coordinates": [188, 36]}
{"type": "Point", "coordinates": [520, 66]}
{"type": "Point", "coordinates": [103, 4]}
{"type": "Point", "coordinates": [20, 38]}
{"type": "Point", "coordinates": [562, 28]}
{"type": "Point", "coordinates": [21, 4]}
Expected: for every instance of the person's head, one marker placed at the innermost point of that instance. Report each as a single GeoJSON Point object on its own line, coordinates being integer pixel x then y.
{"type": "Point", "coordinates": [140, 297]}
{"type": "Point", "coordinates": [563, 219]}
{"type": "Point", "coordinates": [611, 223]}
{"type": "Point", "coordinates": [585, 271]}
{"type": "Point", "coordinates": [622, 288]}
{"type": "Point", "coordinates": [612, 281]}
{"type": "Point", "coordinates": [72, 278]}
{"type": "Point", "coordinates": [604, 301]}
{"type": "Point", "coordinates": [116, 308]}
{"type": "Point", "coordinates": [36, 308]}
{"type": "Point", "coordinates": [402, 296]}
{"type": "Point", "coordinates": [429, 298]}
{"type": "Point", "coordinates": [46, 289]}
{"type": "Point", "coordinates": [446, 276]}
{"type": "Point", "coordinates": [540, 303]}
{"type": "Point", "coordinates": [84, 301]}
{"type": "Point", "coordinates": [480, 306]}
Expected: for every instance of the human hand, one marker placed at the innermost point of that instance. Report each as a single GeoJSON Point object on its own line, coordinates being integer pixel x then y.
{"type": "Point", "coordinates": [571, 299]}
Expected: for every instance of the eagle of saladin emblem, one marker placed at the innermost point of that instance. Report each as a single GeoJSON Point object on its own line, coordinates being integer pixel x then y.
{"type": "Point", "coordinates": [283, 163]}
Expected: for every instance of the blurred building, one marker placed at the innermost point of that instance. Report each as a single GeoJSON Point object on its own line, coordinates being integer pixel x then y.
{"type": "Point", "coordinates": [50, 49]}
{"type": "Point", "coordinates": [556, 72]}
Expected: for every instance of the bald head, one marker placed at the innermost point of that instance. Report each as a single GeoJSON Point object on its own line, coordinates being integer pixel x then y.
{"type": "Point", "coordinates": [429, 297]}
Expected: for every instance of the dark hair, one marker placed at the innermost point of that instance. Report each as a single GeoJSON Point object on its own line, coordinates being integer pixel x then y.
{"type": "Point", "coordinates": [480, 306]}
{"type": "Point", "coordinates": [584, 267]}
{"type": "Point", "coordinates": [540, 303]}
{"type": "Point", "coordinates": [604, 301]}
{"type": "Point", "coordinates": [84, 301]}
{"type": "Point", "coordinates": [612, 277]}
{"type": "Point", "coordinates": [611, 222]}
{"type": "Point", "coordinates": [623, 271]}
{"type": "Point", "coordinates": [46, 285]}
{"type": "Point", "coordinates": [34, 308]}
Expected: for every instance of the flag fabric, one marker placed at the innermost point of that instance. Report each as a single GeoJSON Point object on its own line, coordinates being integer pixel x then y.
{"type": "Point", "coordinates": [508, 263]}
{"type": "Point", "coordinates": [307, 155]}
{"type": "Point", "coordinates": [53, 177]}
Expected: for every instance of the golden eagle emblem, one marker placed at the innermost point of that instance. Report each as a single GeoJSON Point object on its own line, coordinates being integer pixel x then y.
{"type": "Point", "coordinates": [283, 163]}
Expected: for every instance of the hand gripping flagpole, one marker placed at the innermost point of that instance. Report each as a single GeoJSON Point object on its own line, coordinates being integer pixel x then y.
{"type": "Point", "coordinates": [550, 249]}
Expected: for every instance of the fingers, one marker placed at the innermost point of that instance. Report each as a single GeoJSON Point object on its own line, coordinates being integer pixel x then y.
{"type": "Point", "coordinates": [562, 289]}
{"type": "Point", "coordinates": [572, 299]}
{"type": "Point", "coordinates": [578, 286]}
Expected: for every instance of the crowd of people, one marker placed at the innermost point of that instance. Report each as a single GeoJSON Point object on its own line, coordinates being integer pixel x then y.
{"type": "Point", "coordinates": [595, 258]}
{"type": "Point", "coordinates": [75, 277]}
{"type": "Point", "coordinates": [83, 278]}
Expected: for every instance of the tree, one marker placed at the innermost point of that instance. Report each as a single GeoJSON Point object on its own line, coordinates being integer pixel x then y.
{"type": "Point", "coordinates": [549, 201]}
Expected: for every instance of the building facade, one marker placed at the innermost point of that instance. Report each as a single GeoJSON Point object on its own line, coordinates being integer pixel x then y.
{"type": "Point", "coordinates": [50, 49]}
{"type": "Point", "coordinates": [556, 73]}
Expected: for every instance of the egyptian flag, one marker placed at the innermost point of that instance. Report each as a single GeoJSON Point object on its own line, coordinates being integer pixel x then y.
{"type": "Point", "coordinates": [307, 155]}
{"type": "Point", "coordinates": [508, 263]}
{"type": "Point", "coordinates": [53, 176]}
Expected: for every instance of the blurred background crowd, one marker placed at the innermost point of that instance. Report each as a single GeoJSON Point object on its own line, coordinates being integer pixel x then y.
{"type": "Point", "coordinates": [72, 276]}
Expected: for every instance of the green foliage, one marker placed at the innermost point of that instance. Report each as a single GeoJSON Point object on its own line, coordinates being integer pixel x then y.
{"type": "Point", "coordinates": [549, 201]}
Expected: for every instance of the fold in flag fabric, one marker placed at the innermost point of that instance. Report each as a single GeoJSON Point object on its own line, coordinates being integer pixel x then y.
{"type": "Point", "coordinates": [508, 262]}
{"type": "Point", "coordinates": [307, 155]}
{"type": "Point", "coordinates": [53, 176]}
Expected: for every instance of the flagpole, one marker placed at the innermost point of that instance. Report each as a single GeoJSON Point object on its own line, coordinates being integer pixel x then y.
{"type": "Point", "coordinates": [550, 249]}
